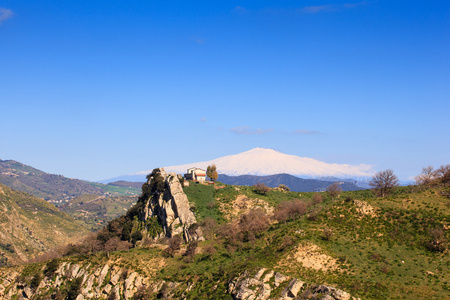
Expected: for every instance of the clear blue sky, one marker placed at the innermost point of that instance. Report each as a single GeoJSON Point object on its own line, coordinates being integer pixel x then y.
{"type": "Point", "coordinates": [97, 89]}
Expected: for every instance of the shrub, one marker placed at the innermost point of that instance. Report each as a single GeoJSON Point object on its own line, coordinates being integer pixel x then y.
{"type": "Point", "coordinates": [229, 233]}
{"type": "Point", "coordinates": [209, 250]}
{"type": "Point", "coordinates": [287, 242]}
{"type": "Point", "coordinates": [334, 190]}
{"type": "Point", "coordinates": [438, 242]}
{"type": "Point", "coordinates": [327, 234]}
{"type": "Point", "coordinates": [317, 198]}
{"type": "Point", "coordinates": [209, 226]}
{"type": "Point", "coordinates": [74, 288]}
{"type": "Point", "coordinates": [173, 245]}
{"type": "Point", "coordinates": [261, 188]}
{"type": "Point", "coordinates": [290, 210]}
{"type": "Point", "coordinates": [253, 223]}
{"type": "Point", "coordinates": [143, 293]}
{"type": "Point", "coordinates": [284, 187]}
{"type": "Point", "coordinates": [190, 250]}
{"type": "Point", "coordinates": [51, 268]}
{"type": "Point", "coordinates": [136, 236]}
{"type": "Point", "coordinates": [36, 280]}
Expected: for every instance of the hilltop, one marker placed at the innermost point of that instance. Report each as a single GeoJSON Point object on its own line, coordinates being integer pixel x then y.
{"type": "Point", "coordinates": [30, 226]}
{"type": "Point", "coordinates": [51, 187]}
{"type": "Point", "coordinates": [245, 243]}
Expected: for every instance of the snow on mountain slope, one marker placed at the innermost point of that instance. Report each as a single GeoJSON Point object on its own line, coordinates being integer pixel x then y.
{"type": "Point", "coordinates": [260, 161]}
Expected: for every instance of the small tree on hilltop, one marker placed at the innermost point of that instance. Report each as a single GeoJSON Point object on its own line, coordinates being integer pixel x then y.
{"type": "Point", "coordinates": [427, 177]}
{"type": "Point", "coordinates": [443, 174]}
{"type": "Point", "coordinates": [211, 172]}
{"type": "Point", "coordinates": [261, 188]}
{"type": "Point", "coordinates": [334, 190]}
{"type": "Point", "coordinates": [384, 182]}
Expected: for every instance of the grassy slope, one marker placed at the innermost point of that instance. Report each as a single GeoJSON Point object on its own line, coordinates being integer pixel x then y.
{"type": "Point", "coordinates": [381, 257]}
{"type": "Point", "coordinates": [53, 187]}
{"type": "Point", "coordinates": [95, 211]}
{"type": "Point", "coordinates": [32, 225]}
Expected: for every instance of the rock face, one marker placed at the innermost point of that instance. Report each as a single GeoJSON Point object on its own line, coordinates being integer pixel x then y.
{"type": "Point", "coordinates": [164, 198]}
{"type": "Point", "coordinates": [263, 284]}
{"type": "Point", "coordinates": [97, 282]}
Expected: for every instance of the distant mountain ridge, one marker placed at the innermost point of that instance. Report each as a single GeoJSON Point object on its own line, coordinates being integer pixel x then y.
{"type": "Point", "coordinates": [295, 184]}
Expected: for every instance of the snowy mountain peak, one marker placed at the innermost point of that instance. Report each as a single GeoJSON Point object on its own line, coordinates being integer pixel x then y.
{"type": "Point", "coordinates": [262, 161]}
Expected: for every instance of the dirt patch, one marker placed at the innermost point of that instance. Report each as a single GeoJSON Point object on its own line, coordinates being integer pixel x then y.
{"type": "Point", "coordinates": [365, 209]}
{"type": "Point", "coordinates": [243, 204]}
{"type": "Point", "coordinates": [311, 256]}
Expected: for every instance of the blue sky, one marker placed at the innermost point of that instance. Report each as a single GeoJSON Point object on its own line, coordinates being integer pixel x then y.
{"type": "Point", "coordinates": [97, 89]}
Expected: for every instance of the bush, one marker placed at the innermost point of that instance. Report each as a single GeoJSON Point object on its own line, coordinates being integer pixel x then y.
{"type": "Point", "coordinates": [190, 251]}
{"type": "Point", "coordinates": [143, 293]}
{"type": "Point", "coordinates": [36, 280]}
{"type": "Point", "coordinates": [290, 210]}
{"type": "Point", "coordinates": [136, 236]}
{"type": "Point", "coordinates": [317, 198]}
{"type": "Point", "coordinates": [253, 223]}
{"type": "Point", "coordinates": [51, 268]}
{"type": "Point", "coordinates": [173, 245]}
{"type": "Point", "coordinates": [261, 188]}
{"type": "Point", "coordinates": [438, 242]}
{"type": "Point", "coordinates": [74, 288]}
{"type": "Point", "coordinates": [284, 187]}
{"type": "Point", "coordinates": [327, 234]}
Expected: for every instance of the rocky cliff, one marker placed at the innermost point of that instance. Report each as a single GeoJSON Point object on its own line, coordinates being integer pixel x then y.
{"type": "Point", "coordinates": [163, 197]}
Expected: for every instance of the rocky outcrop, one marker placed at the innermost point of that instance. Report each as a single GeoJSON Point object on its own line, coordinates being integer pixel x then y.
{"type": "Point", "coordinates": [264, 283]}
{"type": "Point", "coordinates": [97, 282]}
{"type": "Point", "coordinates": [164, 198]}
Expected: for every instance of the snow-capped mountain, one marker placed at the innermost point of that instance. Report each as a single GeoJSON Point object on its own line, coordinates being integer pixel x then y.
{"type": "Point", "coordinates": [260, 161]}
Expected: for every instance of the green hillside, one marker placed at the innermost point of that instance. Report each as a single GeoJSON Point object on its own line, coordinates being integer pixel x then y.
{"type": "Point", "coordinates": [394, 247]}
{"type": "Point", "coordinates": [30, 226]}
{"type": "Point", "coordinates": [95, 211]}
{"type": "Point", "coordinates": [54, 188]}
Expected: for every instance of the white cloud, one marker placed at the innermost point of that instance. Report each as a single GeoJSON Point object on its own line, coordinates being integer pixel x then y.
{"type": "Point", "coordinates": [246, 130]}
{"type": "Point", "coordinates": [5, 14]}
{"type": "Point", "coordinates": [240, 10]}
{"type": "Point", "coordinates": [330, 7]}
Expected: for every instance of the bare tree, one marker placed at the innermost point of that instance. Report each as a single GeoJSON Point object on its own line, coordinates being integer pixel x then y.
{"type": "Point", "coordinates": [290, 210]}
{"type": "Point", "coordinates": [443, 173]}
{"type": "Point", "coordinates": [334, 190]}
{"type": "Point", "coordinates": [427, 177]}
{"type": "Point", "coordinates": [384, 181]}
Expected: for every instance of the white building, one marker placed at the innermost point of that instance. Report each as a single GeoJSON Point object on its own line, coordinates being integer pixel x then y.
{"type": "Point", "coordinates": [196, 174]}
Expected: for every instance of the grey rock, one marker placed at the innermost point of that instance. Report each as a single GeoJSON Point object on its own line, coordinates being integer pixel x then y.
{"type": "Point", "coordinates": [279, 278]}
{"type": "Point", "coordinates": [171, 206]}
{"type": "Point", "coordinates": [103, 274]}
